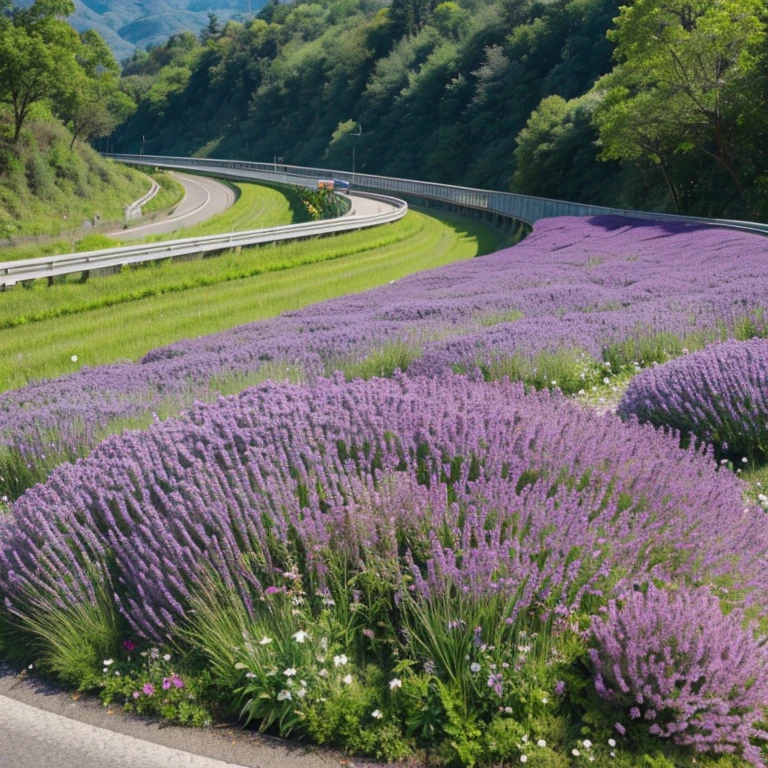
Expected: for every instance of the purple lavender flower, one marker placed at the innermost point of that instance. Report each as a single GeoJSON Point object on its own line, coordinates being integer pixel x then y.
{"type": "Point", "coordinates": [496, 682]}
{"type": "Point", "coordinates": [718, 395]}
{"type": "Point", "coordinates": [559, 687]}
{"type": "Point", "coordinates": [673, 659]}
{"type": "Point", "coordinates": [146, 508]}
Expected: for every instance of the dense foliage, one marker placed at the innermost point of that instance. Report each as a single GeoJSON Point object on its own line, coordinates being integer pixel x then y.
{"type": "Point", "coordinates": [426, 549]}
{"type": "Point", "coordinates": [718, 395]}
{"type": "Point", "coordinates": [481, 92]}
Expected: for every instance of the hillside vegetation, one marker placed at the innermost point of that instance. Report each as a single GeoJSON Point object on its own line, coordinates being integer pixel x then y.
{"type": "Point", "coordinates": [654, 104]}
{"type": "Point", "coordinates": [48, 189]}
{"type": "Point", "coordinates": [58, 89]}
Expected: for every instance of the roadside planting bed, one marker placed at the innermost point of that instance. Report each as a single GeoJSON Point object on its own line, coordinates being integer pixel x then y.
{"type": "Point", "coordinates": [408, 551]}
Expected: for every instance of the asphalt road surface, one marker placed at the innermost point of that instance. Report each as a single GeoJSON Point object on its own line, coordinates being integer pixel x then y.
{"type": "Point", "coordinates": [204, 198]}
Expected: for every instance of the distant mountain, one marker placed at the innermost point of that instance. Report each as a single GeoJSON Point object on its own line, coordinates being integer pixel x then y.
{"type": "Point", "coordinates": [130, 24]}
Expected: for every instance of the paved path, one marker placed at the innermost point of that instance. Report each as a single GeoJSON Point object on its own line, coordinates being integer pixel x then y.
{"type": "Point", "coordinates": [204, 198]}
{"type": "Point", "coordinates": [41, 727]}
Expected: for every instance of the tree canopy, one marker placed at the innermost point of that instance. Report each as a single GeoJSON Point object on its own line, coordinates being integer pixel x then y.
{"type": "Point", "coordinates": [42, 58]}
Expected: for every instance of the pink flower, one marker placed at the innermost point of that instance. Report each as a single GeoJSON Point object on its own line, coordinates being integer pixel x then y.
{"type": "Point", "coordinates": [166, 683]}
{"type": "Point", "coordinates": [271, 590]}
{"type": "Point", "coordinates": [177, 681]}
{"type": "Point", "coordinates": [148, 689]}
{"type": "Point", "coordinates": [129, 646]}
{"type": "Point", "coordinates": [136, 694]}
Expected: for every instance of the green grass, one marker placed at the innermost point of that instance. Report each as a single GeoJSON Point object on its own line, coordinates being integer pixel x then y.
{"type": "Point", "coordinates": [171, 193]}
{"type": "Point", "coordinates": [125, 316]}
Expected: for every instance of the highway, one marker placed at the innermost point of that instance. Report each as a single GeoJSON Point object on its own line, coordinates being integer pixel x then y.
{"type": "Point", "coordinates": [203, 199]}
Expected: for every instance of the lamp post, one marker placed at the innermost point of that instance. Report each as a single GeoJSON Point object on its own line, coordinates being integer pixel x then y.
{"type": "Point", "coordinates": [354, 146]}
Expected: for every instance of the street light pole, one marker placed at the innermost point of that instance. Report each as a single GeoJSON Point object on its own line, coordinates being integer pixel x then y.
{"type": "Point", "coordinates": [354, 146]}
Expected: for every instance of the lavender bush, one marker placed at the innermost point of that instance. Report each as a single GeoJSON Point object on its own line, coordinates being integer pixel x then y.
{"type": "Point", "coordinates": [719, 395]}
{"type": "Point", "coordinates": [606, 289]}
{"type": "Point", "coordinates": [461, 486]}
{"type": "Point", "coordinates": [673, 660]}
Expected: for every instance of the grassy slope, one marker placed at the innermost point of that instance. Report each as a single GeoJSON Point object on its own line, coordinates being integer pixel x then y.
{"type": "Point", "coordinates": [46, 189]}
{"type": "Point", "coordinates": [343, 264]}
{"type": "Point", "coordinates": [171, 193]}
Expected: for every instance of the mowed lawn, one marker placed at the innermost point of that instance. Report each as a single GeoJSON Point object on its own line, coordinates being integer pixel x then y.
{"type": "Point", "coordinates": [124, 316]}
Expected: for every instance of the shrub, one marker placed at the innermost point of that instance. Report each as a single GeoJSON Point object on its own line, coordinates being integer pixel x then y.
{"type": "Point", "coordinates": [718, 395]}
{"type": "Point", "coordinates": [673, 660]}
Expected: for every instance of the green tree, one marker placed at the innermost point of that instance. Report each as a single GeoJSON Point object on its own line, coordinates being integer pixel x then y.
{"type": "Point", "coordinates": [688, 79]}
{"type": "Point", "coordinates": [212, 30]}
{"type": "Point", "coordinates": [37, 57]}
{"type": "Point", "coordinates": [93, 103]}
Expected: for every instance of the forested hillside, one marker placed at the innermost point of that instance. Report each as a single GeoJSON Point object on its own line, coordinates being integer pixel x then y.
{"type": "Point", "coordinates": [660, 105]}
{"type": "Point", "coordinates": [128, 24]}
{"type": "Point", "coordinates": [58, 90]}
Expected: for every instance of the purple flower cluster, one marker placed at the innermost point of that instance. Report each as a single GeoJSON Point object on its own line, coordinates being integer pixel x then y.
{"type": "Point", "coordinates": [675, 661]}
{"type": "Point", "coordinates": [594, 285]}
{"type": "Point", "coordinates": [720, 395]}
{"type": "Point", "coordinates": [465, 485]}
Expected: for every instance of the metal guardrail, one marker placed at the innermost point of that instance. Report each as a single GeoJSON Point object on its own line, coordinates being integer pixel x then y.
{"type": "Point", "coordinates": [12, 272]}
{"type": "Point", "coordinates": [506, 204]}
{"type": "Point", "coordinates": [133, 211]}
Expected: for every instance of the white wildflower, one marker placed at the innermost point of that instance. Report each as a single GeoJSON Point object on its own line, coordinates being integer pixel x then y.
{"type": "Point", "coordinates": [395, 683]}
{"type": "Point", "coordinates": [347, 680]}
{"type": "Point", "coordinates": [284, 696]}
{"type": "Point", "coordinates": [290, 672]}
{"type": "Point", "coordinates": [474, 667]}
{"type": "Point", "coordinates": [300, 636]}
{"type": "Point", "coordinates": [265, 640]}
{"type": "Point", "coordinates": [340, 661]}
{"type": "Point", "coordinates": [377, 714]}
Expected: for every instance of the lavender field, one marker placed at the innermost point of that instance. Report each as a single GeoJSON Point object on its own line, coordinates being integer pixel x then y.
{"type": "Point", "coordinates": [574, 295]}
{"type": "Point", "coordinates": [409, 552]}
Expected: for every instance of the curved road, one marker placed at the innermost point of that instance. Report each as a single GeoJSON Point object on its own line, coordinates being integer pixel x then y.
{"type": "Point", "coordinates": [204, 198]}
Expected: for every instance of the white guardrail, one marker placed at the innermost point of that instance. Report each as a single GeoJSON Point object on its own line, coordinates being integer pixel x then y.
{"type": "Point", "coordinates": [133, 211]}
{"type": "Point", "coordinates": [505, 204]}
{"type": "Point", "coordinates": [12, 272]}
